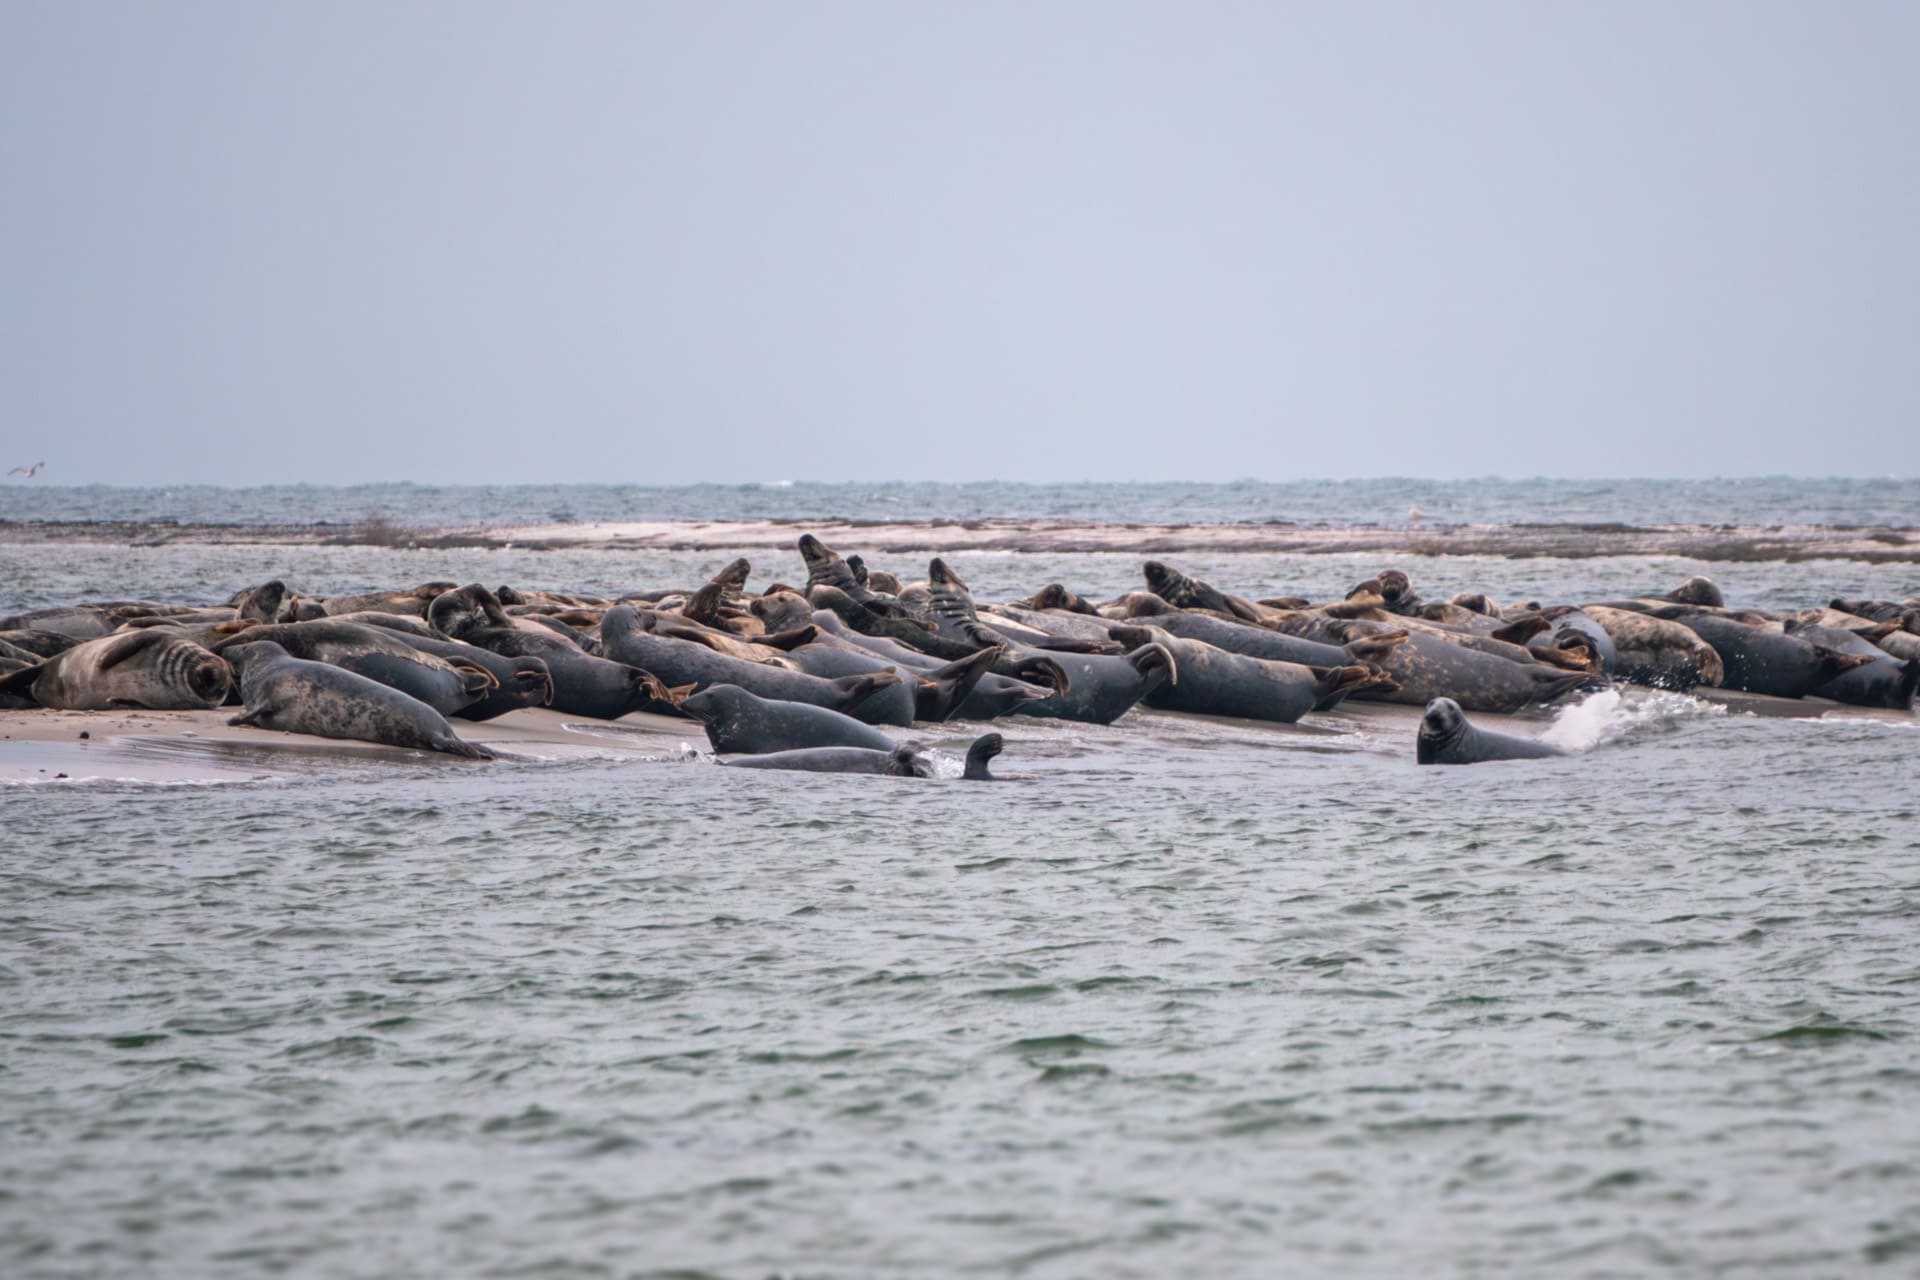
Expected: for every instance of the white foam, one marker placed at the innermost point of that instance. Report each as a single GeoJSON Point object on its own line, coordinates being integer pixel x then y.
{"type": "Point", "coordinates": [1614, 713]}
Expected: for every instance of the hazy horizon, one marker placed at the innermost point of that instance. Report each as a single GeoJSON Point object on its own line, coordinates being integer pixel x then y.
{"type": "Point", "coordinates": [480, 244]}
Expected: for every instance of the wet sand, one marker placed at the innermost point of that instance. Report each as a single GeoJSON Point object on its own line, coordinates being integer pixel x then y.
{"type": "Point", "coordinates": [38, 745]}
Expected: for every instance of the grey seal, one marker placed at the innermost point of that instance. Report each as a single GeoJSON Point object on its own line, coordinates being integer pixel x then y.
{"type": "Point", "coordinates": [156, 668]}
{"type": "Point", "coordinates": [297, 696]}
{"type": "Point", "coordinates": [1447, 738]}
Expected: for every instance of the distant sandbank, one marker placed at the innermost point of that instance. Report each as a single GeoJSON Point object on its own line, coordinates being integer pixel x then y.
{"type": "Point", "coordinates": [1877, 544]}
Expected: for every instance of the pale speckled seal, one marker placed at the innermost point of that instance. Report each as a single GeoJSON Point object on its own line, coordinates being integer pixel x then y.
{"type": "Point", "coordinates": [298, 696]}
{"type": "Point", "coordinates": [157, 668]}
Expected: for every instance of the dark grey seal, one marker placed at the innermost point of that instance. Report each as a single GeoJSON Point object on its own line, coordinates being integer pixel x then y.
{"type": "Point", "coordinates": [297, 696]}
{"type": "Point", "coordinates": [1447, 738]}
{"type": "Point", "coordinates": [739, 722]}
{"type": "Point", "coordinates": [904, 761]}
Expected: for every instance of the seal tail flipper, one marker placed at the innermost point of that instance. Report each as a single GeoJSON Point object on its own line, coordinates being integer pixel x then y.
{"type": "Point", "coordinates": [1550, 683]}
{"type": "Point", "coordinates": [458, 746]}
{"type": "Point", "coordinates": [1151, 658]}
{"type": "Point", "coordinates": [859, 688]}
{"type": "Point", "coordinates": [981, 754]}
{"type": "Point", "coordinates": [1577, 654]}
{"type": "Point", "coordinates": [952, 683]}
{"type": "Point", "coordinates": [1337, 683]}
{"type": "Point", "coordinates": [1375, 648]}
{"type": "Point", "coordinates": [476, 680]}
{"type": "Point", "coordinates": [1522, 630]}
{"type": "Point", "coordinates": [1041, 671]}
{"type": "Point", "coordinates": [703, 607]}
{"type": "Point", "coordinates": [788, 641]}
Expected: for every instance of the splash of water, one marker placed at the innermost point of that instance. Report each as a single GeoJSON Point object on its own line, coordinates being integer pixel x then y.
{"type": "Point", "coordinates": [1615, 713]}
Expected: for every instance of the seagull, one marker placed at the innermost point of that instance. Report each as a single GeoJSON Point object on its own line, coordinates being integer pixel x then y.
{"type": "Point", "coordinates": [28, 472]}
{"type": "Point", "coordinates": [1415, 514]}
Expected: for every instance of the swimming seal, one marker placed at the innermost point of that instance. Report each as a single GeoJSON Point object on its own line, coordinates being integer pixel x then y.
{"type": "Point", "coordinates": [1446, 738]}
{"type": "Point", "coordinates": [903, 761]}
{"type": "Point", "coordinates": [738, 721]}
{"type": "Point", "coordinates": [297, 696]}
{"type": "Point", "coordinates": [157, 668]}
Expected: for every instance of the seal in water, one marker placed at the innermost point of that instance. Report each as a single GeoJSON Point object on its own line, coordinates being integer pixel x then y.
{"type": "Point", "coordinates": [1447, 738]}
{"type": "Point", "coordinates": [155, 668]}
{"type": "Point", "coordinates": [904, 761]}
{"type": "Point", "coordinates": [744, 723]}
{"type": "Point", "coordinates": [297, 696]}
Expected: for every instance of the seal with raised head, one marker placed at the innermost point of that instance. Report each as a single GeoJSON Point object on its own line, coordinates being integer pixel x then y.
{"type": "Point", "coordinates": [1447, 738]}
{"type": "Point", "coordinates": [743, 722]}
{"type": "Point", "coordinates": [157, 668]}
{"type": "Point", "coordinates": [1182, 592]}
{"type": "Point", "coordinates": [297, 696]}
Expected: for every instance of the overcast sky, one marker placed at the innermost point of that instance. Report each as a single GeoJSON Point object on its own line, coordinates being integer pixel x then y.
{"type": "Point", "coordinates": [335, 242]}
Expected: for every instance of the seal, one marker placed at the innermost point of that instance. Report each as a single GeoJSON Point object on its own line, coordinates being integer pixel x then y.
{"type": "Point", "coordinates": [1214, 682]}
{"type": "Point", "coordinates": [904, 761]}
{"type": "Point", "coordinates": [447, 686]}
{"type": "Point", "coordinates": [1100, 689]}
{"type": "Point", "coordinates": [1446, 738]}
{"type": "Point", "coordinates": [583, 685]}
{"type": "Point", "coordinates": [157, 668]}
{"type": "Point", "coordinates": [297, 696]}
{"type": "Point", "coordinates": [413, 601]}
{"type": "Point", "coordinates": [1182, 592]}
{"type": "Point", "coordinates": [1759, 660]}
{"type": "Point", "coordinates": [741, 722]}
{"type": "Point", "coordinates": [877, 698]}
{"type": "Point", "coordinates": [1654, 652]}
{"type": "Point", "coordinates": [1880, 681]}
{"type": "Point", "coordinates": [1430, 664]}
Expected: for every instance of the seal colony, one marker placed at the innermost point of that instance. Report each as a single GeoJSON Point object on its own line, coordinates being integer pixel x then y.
{"type": "Point", "coordinates": [813, 677]}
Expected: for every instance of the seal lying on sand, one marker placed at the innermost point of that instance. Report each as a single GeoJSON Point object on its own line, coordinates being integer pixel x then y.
{"type": "Point", "coordinates": [156, 668]}
{"type": "Point", "coordinates": [1447, 738]}
{"type": "Point", "coordinates": [298, 696]}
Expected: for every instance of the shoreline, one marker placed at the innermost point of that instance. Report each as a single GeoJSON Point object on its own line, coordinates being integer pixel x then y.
{"type": "Point", "coordinates": [1877, 544]}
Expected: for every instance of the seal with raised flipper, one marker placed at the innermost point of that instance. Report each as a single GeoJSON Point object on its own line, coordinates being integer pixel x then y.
{"type": "Point", "coordinates": [1214, 682]}
{"type": "Point", "coordinates": [297, 696]}
{"type": "Point", "coordinates": [1446, 737]}
{"type": "Point", "coordinates": [738, 721]}
{"type": "Point", "coordinates": [157, 668]}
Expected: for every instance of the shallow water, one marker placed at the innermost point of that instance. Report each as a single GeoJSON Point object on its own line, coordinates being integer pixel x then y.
{"type": "Point", "coordinates": [1199, 998]}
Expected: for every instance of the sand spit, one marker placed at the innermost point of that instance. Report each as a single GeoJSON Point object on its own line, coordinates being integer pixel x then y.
{"type": "Point", "coordinates": [1782, 543]}
{"type": "Point", "coordinates": [38, 745]}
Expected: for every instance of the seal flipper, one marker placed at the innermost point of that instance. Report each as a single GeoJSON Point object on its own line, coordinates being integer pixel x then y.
{"type": "Point", "coordinates": [1365, 649]}
{"type": "Point", "coordinates": [787, 641]}
{"type": "Point", "coordinates": [1041, 671]}
{"type": "Point", "coordinates": [1336, 683]}
{"type": "Point", "coordinates": [859, 688]}
{"type": "Point", "coordinates": [944, 689]}
{"type": "Point", "coordinates": [1523, 629]}
{"type": "Point", "coordinates": [981, 754]}
{"type": "Point", "coordinates": [255, 717]}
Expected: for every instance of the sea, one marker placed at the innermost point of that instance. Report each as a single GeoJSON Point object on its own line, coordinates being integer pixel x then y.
{"type": "Point", "coordinates": [1190, 997]}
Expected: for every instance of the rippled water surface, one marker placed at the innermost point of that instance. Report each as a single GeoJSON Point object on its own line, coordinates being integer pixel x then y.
{"type": "Point", "coordinates": [1198, 998]}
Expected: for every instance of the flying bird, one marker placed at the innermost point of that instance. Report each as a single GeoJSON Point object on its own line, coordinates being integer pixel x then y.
{"type": "Point", "coordinates": [28, 472]}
